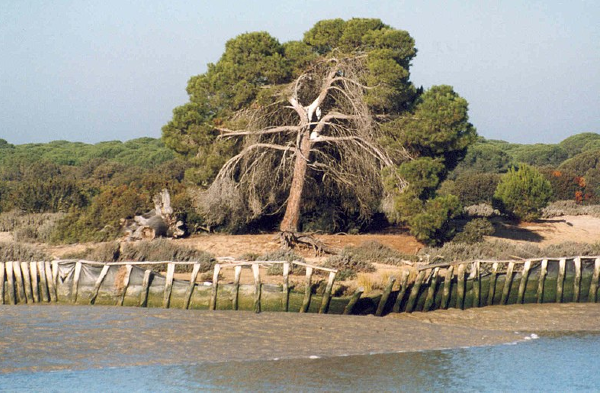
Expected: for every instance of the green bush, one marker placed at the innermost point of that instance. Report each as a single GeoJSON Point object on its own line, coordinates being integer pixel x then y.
{"type": "Point", "coordinates": [433, 225]}
{"type": "Point", "coordinates": [523, 193]}
{"type": "Point", "coordinates": [474, 231]}
{"type": "Point", "coordinates": [473, 189]}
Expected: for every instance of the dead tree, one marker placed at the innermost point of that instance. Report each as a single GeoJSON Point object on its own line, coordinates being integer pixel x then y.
{"type": "Point", "coordinates": [160, 222]}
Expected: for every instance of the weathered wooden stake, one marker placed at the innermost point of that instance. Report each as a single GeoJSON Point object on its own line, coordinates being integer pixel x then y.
{"type": "Point", "coordinates": [431, 291]}
{"type": "Point", "coordinates": [257, 287]}
{"type": "Point", "coordinates": [98, 283]}
{"type": "Point", "coordinates": [168, 285]}
{"type": "Point", "coordinates": [236, 286]}
{"type": "Point", "coordinates": [542, 281]}
{"type": "Point", "coordinates": [460, 288]}
{"type": "Point", "coordinates": [507, 283]}
{"type": "Point", "coordinates": [2, 274]}
{"type": "Point", "coordinates": [414, 293]}
{"type": "Point", "coordinates": [577, 281]}
{"type": "Point", "coordinates": [402, 293]}
{"type": "Point", "coordinates": [476, 275]}
{"type": "Point", "coordinates": [593, 294]}
{"type": "Point", "coordinates": [190, 291]}
{"type": "Point", "coordinates": [285, 300]}
{"type": "Point", "coordinates": [76, 276]}
{"type": "Point", "coordinates": [307, 290]}
{"type": "Point", "coordinates": [55, 269]}
{"type": "Point", "coordinates": [523, 283]}
{"type": "Point", "coordinates": [10, 283]}
{"type": "Point", "coordinates": [27, 281]}
{"type": "Point", "coordinates": [128, 269]}
{"type": "Point", "coordinates": [145, 288]}
{"type": "Point", "coordinates": [560, 282]}
{"type": "Point", "coordinates": [50, 278]}
{"type": "Point", "coordinates": [447, 287]}
{"type": "Point", "coordinates": [215, 288]}
{"type": "Point", "coordinates": [385, 296]}
{"type": "Point", "coordinates": [327, 295]}
{"type": "Point", "coordinates": [355, 297]}
{"type": "Point", "coordinates": [35, 287]}
{"type": "Point", "coordinates": [19, 281]}
{"type": "Point", "coordinates": [44, 296]}
{"type": "Point", "coordinates": [493, 280]}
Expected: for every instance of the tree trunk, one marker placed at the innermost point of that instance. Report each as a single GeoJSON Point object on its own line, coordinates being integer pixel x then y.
{"type": "Point", "coordinates": [291, 219]}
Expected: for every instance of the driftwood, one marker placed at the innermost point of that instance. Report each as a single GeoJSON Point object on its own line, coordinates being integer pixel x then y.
{"type": "Point", "coordinates": [160, 222]}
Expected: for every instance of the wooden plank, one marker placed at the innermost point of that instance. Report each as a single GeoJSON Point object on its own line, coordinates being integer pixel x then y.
{"type": "Point", "coordinates": [523, 283]}
{"type": "Point", "coordinates": [560, 281]}
{"type": "Point", "coordinates": [55, 269]}
{"type": "Point", "coordinates": [542, 281]}
{"type": "Point", "coordinates": [307, 290]}
{"type": "Point", "coordinates": [476, 276]}
{"type": "Point", "coordinates": [593, 294]}
{"type": "Point", "coordinates": [98, 283]}
{"type": "Point", "coordinates": [285, 300]}
{"type": "Point", "coordinates": [10, 283]}
{"type": "Point", "coordinates": [353, 300]}
{"type": "Point", "coordinates": [403, 285]}
{"type": "Point", "coordinates": [431, 291]}
{"type": "Point", "coordinates": [460, 288]}
{"type": "Point", "coordinates": [577, 281]}
{"type": "Point", "coordinates": [236, 287]}
{"type": "Point", "coordinates": [385, 296]}
{"type": "Point", "coordinates": [2, 276]}
{"type": "Point", "coordinates": [190, 291]}
{"type": "Point", "coordinates": [27, 281]}
{"type": "Point", "coordinates": [327, 295]}
{"type": "Point", "coordinates": [50, 278]}
{"type": "Point", "coordinates": [145, 288]}
{"type": "Point", "coordinates": [257, 287]}
{"type": "Point", "coordinates": [35, 287]}
{"type": "Point", "coordinates": [493, 280]}
{"type": "Point", "coordinates": [507, 283]}
{"type": "Point", "coordinates": [215, 288]}
{"type": "Point", "coordinates": [20, 286]}
{"type": "Point", "coordinates": [44, 295]}
{"type": "Point", "coordinates": [168, 285]}
{"type": "Point", "coordinates": [76, 276]}
{"type": "Point", "coordinates": [447, 287]}
{"type": "Point", "coordinates": [128, 269]}
{"type": "Point", "coordinates": [414, 293]}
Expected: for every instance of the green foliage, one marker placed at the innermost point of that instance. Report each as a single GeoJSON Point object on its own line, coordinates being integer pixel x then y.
{"type": "Point", "coordinates": [540, 154]}
{"type": "Point", "coordinates": [484, 157]}
{"type": "Point", "coordinates": [576, 144]}
{"type": "Point", "coordinates": [523, 192]}
{"type": "Point", "coordinates": [433, 224]}
{"type": "Point", "coordinates": [474, 231]}
{"type": "Point", "coordinates": [475, 188]}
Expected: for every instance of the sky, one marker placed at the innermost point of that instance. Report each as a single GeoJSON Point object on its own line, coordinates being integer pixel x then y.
{"type": "Point", "coordinates": [94, 71]}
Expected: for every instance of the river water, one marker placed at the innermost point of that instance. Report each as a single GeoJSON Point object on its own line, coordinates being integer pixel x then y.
{"type": "Point", "coordinates": [109, 349]}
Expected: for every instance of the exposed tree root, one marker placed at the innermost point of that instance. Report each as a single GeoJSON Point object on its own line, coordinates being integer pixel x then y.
{"type": "Point", "coordinates": [289, 240]}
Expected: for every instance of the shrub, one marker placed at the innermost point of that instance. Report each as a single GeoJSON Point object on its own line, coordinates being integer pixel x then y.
{"type": "Point", "coordinates": [523, 193]}
{"type": "Point", "coordinates": [432, 225]}
{"type": "Point", "coordinates": [348, 266]}
{"type": "Point", "coordinates": [474, 189]}
{"type": "Point", "coordinates": [21, 252]}
{"type": "Point", "coordinates": [374, 251]}
{"type": "Point", "coordinates": [474, 231]}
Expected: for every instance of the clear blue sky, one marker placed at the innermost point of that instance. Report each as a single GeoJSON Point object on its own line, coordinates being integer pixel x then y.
{"type": "Point", "coordinates": [102, 70]}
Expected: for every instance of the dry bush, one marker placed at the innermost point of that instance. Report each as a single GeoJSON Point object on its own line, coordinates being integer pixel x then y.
{"type": "Point", "coordinates": [29, 227]}
{"type": "Point", "coordinates": [570, 207]}
{"type": "Point", "coordinates": [374, 251]}
{"type": "Point", "coordinates": [21, 252]}
{"type": "Point", "coordinates": [481, 210]}
{"type": "Point", "coordinates": [348, 266]}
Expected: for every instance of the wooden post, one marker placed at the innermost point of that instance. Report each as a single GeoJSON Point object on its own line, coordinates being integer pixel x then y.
{"type": "Point", "coordinates": [507, 283]}
{"type": "Point", "coordinates": [19, 281]}
{"type": "Point", "coordinates": [355, 297]}
{"type": "Point", "coordinates": [402, 293]}
{"type": "Point", "coordinates": [168, 285]}
{"type": "Point", "coordinates": [431, 291]}
{"type": "Point", "coordinates": [542, 281]}
{"type": "Point", "coordinates": [385, 296]}
{"type": "Point", "coordinates": [236, 286]}
{"type": "Point", "coordinates": [476, 275]}
{"type": "Point", "coordinates": [190, 291]}
{"type": "Point", "coordinates": [44, 296]}
{"type": "Point", "coordinates": [285, 301]}
{"type": "Point", "coordinates": [414, 293]}
{"type": "Point", "coordinates": [577, 281]}
{"type": "Point", "coordinates": [460, 289]}
{"type": "Point", "coordinates": [76, 276]}
{"type": "Point", "coordinates": [2, 274]}
{"type": "Point", "coordinates": [523, 283]}
{"type": "Point", "coordinates": [257, 287]}
{"type": "Point", "coordinates": [27, 281]}
{"type": "Point", "coordinates": [560, 282]}
{"type": "Point", "coordinates": [99, 281]}
{"type": "Point", "coordinates": [145, 288]}
{"type": "Point", "coordinates": [50, 277]}
{"type": "Point", "coordinates": [55, 270]}
{"type": "Point", "coordinates": [493, 280]}
{"type": "Point", "coordinates": [447, 287]}
{"type": "Point", "coordinates": [593, 294]}
{"type": "Point", "coordinates": [215, 288]}
{"type": "Point", "coordinates": [307, 290]}
{"type": "Point", "coordinates": [35, 287]}
{"type": "Point", "coordinates": [128, 269]}
{"type": "Point", "coordinates": [10, 283]}
{"type": "Point", "coordinates": [327, 295]}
